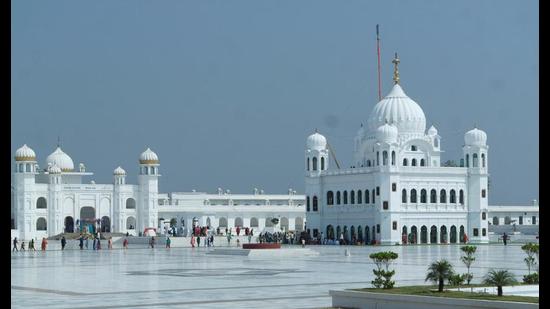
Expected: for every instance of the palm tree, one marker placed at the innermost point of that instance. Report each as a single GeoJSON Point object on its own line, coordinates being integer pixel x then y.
{"type": "Point", "coordinates": [439, 271]}
{"type": "Point", "coordinates": [499, 278]}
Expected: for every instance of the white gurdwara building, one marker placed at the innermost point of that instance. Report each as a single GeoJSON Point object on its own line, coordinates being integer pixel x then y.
{"type": "Point", "coordinates": [397, 185]}
{"type": "Point", "coordinates": [54, 200]}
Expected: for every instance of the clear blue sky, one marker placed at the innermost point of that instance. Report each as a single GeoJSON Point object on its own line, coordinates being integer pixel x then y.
{"type": "Point", "coordinates": [226, 92]}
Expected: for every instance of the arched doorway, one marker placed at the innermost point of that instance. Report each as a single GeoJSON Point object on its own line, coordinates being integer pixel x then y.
{"type": "Point", "coordinates": [299, 224]}
{"type": "Point", "coordinates": [453, 235]}
{"type": "Point", "coordinates": [414, 235]}
{"type": "Point", "coordinates": [223, 222]}
{"type": "Point", "coordinates": [360, 231]}
{"type": "Point", "coordinates": [284, 224]}
{"type": "Point", "coordinates": [253, 222]}
{"type": "Point", "coordinates": [353, 236]}
{"type": "Point", "coordinates": [239, 222]}
{"type": "Point", "coordinates": [87, 219]}
{"type": "Point", "coordinates": [433, 234]}
{"type": "Point", "coordinates": [131, 223]}
{"type": "Point", "coordinates": [208, 222]}
{"type": "Point", "coordinates": [330, 232]}
{"type": "Point", "coordinates": [69, 224]}
{"type": "Point", "coordinates": [367, 235]}
{"type": "Point", "coordinates": [105, 224]}
{"type": "Point", "coordinates": [443, 235]}
{"type": "Point", "coordinates": [404, 232]}
{"type": "Point", "coordinates": [346, 234]}
{"type": "Point", "coordinates": [461, 233]}
{"type": "Point", "coordinates": [423, 235]}
{"type": "Point", "coordinates": [338, 232]}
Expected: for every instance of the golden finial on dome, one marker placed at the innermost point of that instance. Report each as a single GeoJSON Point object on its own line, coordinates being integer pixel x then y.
{"type": "Point", "coordinates": [395, 61]}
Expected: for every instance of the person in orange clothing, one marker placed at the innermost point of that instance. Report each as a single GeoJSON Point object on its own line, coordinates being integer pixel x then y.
{"type": "Point", "coordinates": [44, 243]}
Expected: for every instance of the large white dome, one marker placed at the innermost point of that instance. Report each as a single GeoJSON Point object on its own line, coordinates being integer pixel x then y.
{"type": "Point", "coordinates": [475, 137]}
{"type": "Point", "coordinates": [387, 133]}
{"type": "Point", "coordinates": [61, 159]}
{"type": "Point", "coordinates": [148, 157]}
{"type": "Point", "coordinates": [316, 141]}
{"type": "Point", "coordinates": [25, 153]}
{"type": "Point", "coordinates": [397, 108]}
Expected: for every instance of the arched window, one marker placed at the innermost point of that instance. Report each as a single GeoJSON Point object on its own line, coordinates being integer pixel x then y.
{"type": "Point", "coordinates": [338, 198]}
{"type": "Point", "coordinates": [359, 197]}
{"type": "Point", "coordinates": [367, 198]}
{"type": "Point", "coordinates": [330, 198]}
{"type": "Point", "coordinates": [307, 164]}
{"type": "Point", "coordinates": [352, 197]}
{"type": "Point", "coordinates": [146, 170]}
{"type": "Point", "coordinates": [130, 203]}
{"type": "Point", "coordinates": [413, 163]}
{"type": "Point", "coordinates": [377, 158]}
{"type": "Point", "coordinates": [393, 158]}
{"type": "Point", "coordinates": [433, 196]}
{"type": "Point", "coordinates": [20, 168]}
{"type": "Point", "coordinates": [405, 162]}
{"type": "Point", "coordinates": [27, 168]}
{"type": "Point", "coordinates": [474, 159]}
{"type": "Point", "coordinates": [41, 224]}
{"type": "Point", "coordinates": [482, 160]}
{"type": "Point", "coordinates": [368, 162]}
{"type": "Point", "coordinates": [314, 163]}
{"type": "Point", "coordinates": [254, 222]}
{"type": "Point", "coordinates": [373, 198]}
{"type": "Point", "coordinates": [322, 163]}
{"type": "Point", "coordinates": [41, 203]}
{"type": "Point", "coordinates": [436, 142]}
{"type": "Point", "coordinates": [423, 196]}
{"type": "Point", "coordinates": [507, 220]}
{"type": "Point", "coordinates": [307, 203]}
{"type": "Point", "coordinates": [453, 197]}
{"type": "Point", "coordinates": [345, 197]}
{"type": "Point", "coordinates": [223, 222]}
{"type": "Point", "coordinates": [495, 220]}
{"type": "Point", "coordinates": [384, 158]}
{"type": "Point", "coordinates": [413, 196]}
{"type": "Point", "coordinates": [467, 160]}
{"type": "Point", "coordinates": [315, 207]}
{"type": "Point", "coordinates": [404, 196]}
{"type": "Point", "coordinates": [442, 196]}
{"type": "Point", "coordinates": [422, 162]}
{"type": "Point", "coordinates": [461, 197]}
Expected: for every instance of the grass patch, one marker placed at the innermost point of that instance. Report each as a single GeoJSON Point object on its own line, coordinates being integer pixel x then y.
{"type": "Point", "coordinates": [426, 290]}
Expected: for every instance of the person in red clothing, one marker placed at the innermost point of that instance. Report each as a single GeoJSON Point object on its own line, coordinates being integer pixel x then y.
{"type": "Point", "coordinates": [465, 238]}
{"type": "Point", "coordinates": [238, 230]}
{"type": "Point", "coordinates": [44, 243]}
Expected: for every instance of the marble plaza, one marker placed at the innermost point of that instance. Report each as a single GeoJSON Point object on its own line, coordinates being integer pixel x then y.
{"type": "Point", "coordinates": [183, 277]}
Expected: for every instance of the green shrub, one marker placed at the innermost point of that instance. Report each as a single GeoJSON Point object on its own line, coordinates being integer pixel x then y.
{"type": "Point", "coordinates": [531, 279]}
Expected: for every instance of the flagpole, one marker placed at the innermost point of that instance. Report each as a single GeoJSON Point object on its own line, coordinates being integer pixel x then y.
{"type": "Point", "coordinates": [378, 49]}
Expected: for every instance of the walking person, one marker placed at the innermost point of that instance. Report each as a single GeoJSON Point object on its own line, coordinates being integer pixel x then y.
{"type": "Point", "coordinates": [44, 244]}
{"type": "Point", "coordinates": [125, 243]}
{"type": "Point", "coordinates": [504, 238]}
{"type": "Point", "coordinates": [15, 245]}
{"type": "Point", "coordinates": [81, 241]}
{"type": "Point", "coordinates": [198, 241]}
{"type": "Point", "coordinates": [98, 244]}
{"type": "Point", "coordinates": [212, 240]}
{"type": "Point", "coordinates": [110, 243]}
{"type": "Point", "coordinates": [31, 245]}
{"type": "Point", "coordinates": [63, 243]}
{"type": "Point", "coordinates": [94, 245]}
{"type": "Point", "coordinates": [86, 242]}
{"type": "Point", "coordinates": [23, 245]}
{"type": "Point", "coordinates": [152, 242]}
{"type": "Point", "coordinates": [168, 242]}
{"type": "Point", "coordinates": [229, 239]}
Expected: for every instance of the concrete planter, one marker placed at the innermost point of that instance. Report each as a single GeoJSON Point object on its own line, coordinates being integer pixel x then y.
{"type": "Point", "coordinates": [369, 300]}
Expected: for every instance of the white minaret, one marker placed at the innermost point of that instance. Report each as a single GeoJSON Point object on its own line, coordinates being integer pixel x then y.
{"type": "Point", "coordinates": [475, 160]}
{"type": "Point", "coordinates": [147, 206]}
{"type": "Point", "coordinates": [316, 161]}
{"type": "Point", "coordinates": [119, 203]}
{"type": "Point", "coordinates": [55, 222]}
{"type": "Point", "coordinates": [24, 181]}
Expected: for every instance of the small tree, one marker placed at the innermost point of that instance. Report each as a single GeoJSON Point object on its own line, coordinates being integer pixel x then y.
{"type": "Point", "coordinates": [499, 279]}
{"type": "Point", "coordinates": [173, 222]}
{"type": "Point", "coordinates": [383, 277]}
{"type": "Point", "coordinates": [457, 280]}
{"type": "Point", "coordinates": [438, 272]}
{"type": "Point", "coordinates": [468, 259]}
{"type": "Point", "coordinates": [531, 249]}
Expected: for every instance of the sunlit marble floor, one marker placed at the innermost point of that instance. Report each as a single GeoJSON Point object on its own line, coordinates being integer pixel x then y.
{"type": "Point", "coordinates": [185, 277]}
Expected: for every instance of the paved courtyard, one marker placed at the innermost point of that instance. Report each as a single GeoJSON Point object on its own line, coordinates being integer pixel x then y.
{"type": "Point", "coordinates": [186, 277]}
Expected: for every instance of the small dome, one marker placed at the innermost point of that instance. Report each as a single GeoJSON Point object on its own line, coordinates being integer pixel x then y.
{"type": "Point", "coordinates": [316, 141]}
{"type": "Point", "coordinates": [432, 131]}
{"type": "Point", "coordinates": [119, 171]}
{"type": "Point", "coordinates": [54, 169]}
{"type": "Point", "coordinates": [148, 157]}
{"type": "Point", "coordinates": [475, 137]}
{"type": "Point", "coordinates": [25, 153]}
{"type": "Point", "coordinates": [399, 109]}
{"type": "Point", "coordinates": [387, 133]}
{"type": "Point", "coordinates": [61, 159]}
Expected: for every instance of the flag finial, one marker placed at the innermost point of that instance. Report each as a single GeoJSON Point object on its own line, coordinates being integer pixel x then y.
{"type": "Point", "coordinates": [395, 62]}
